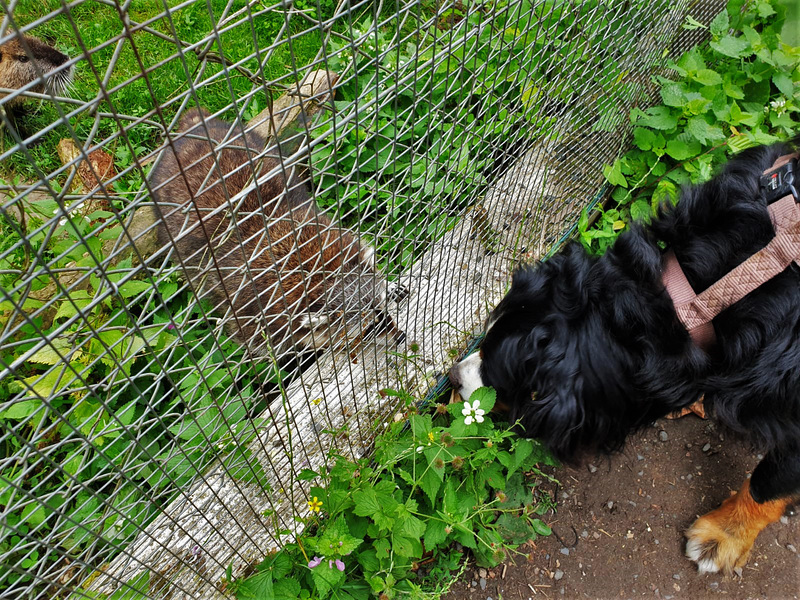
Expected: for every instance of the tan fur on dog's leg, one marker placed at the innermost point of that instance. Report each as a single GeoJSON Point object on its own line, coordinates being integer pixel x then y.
{"type": "Point", "coordinates": [721, 540]}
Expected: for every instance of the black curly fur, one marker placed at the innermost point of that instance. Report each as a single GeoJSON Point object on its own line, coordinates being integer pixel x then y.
{"type": "Point", "coordinates": [586, 350]}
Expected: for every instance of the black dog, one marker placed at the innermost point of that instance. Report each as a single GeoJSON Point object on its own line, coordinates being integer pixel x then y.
{"type": "Point", "coordinates": [586, 350]}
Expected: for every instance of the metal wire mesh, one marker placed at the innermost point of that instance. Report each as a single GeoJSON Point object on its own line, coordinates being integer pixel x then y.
{"type": "Point", "coordinates": [194, 310]}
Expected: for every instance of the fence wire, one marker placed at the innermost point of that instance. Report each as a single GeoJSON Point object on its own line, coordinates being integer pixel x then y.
{"type": "Point", "coordinates": [237, 233]}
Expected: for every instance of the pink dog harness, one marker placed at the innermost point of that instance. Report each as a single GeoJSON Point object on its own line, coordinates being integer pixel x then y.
{"type": "Point", "coordinates": [696, 311]}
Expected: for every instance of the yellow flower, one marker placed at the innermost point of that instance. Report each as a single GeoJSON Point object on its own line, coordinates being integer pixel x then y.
{"type": "Point", "coordinates": [316, 401]}
{"type": "Point", "coordinates": [430, 435]}
{"type": "Point", "coordinates": [314, 504]}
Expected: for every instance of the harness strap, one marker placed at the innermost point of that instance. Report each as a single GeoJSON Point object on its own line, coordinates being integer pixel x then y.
{"type": "Point", "coordinates": [696, 311]}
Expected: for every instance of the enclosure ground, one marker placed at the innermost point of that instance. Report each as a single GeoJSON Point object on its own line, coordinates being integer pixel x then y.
{"type": "Point", "coordinates": [629, 513]}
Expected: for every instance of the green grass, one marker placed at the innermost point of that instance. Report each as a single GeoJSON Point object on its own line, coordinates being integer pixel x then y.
{"type": "Point", "coordinates": [132, 94]}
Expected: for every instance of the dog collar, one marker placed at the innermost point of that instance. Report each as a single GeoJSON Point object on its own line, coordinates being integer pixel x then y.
{"type": "Point", "coordinates": [696, 311]}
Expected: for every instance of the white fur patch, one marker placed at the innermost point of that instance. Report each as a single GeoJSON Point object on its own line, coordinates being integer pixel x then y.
{"type": "Point", "coordinates": [468, 375]}
{"type": "Point", "coordinates": [693, 552]}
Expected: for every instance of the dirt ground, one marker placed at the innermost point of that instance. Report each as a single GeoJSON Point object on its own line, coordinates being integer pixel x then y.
{"type": "Point", "coordinates": [621, 520]}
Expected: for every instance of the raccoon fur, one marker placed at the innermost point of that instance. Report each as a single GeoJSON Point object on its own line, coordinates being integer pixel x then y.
{"type": "Point", "coordinates": [285, 276]}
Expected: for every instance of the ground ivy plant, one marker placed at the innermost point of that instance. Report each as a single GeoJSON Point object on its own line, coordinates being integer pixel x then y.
{"type": "Point", "coordinates": [737, 91]}
{"type": "Point", "coordinates": [388, 525]}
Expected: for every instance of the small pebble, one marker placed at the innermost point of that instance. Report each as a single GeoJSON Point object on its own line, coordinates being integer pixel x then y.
{"type": "Point", "coordinates": [559, 574]}
{"type": "Point", "coordinates": [482, 572]}
{"type": "Point", "coordinates": [791, 548]}
{"type": "Point", "coordinates": [610, 504]}
{"type": "Point", "coordinates": [676, 576]}
{"type": "Point", "coordinates": [713, 585]}
{"type": "Point", "coordinates": [483, 583]}
{"type": "Point", "coordinates": [639, 457]}
{"type": "Point", "coordinates": [596, 535]}
{"type": "Point", "coordinates": [707, 447]}
{"type": "Point", "coordinates": [656, 542]}
{"type": "Point", "coordinates": [565, 551]}
{"type": "Point", "coordinates": [592, 469]}
{"type": "Point", "coordinates": [585, 534]}
{"type": "Point", "coordinates": [663, 435]}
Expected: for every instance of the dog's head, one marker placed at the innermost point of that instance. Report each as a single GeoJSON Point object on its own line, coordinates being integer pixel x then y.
{"type": "Point", "coordinates": [551, 360]}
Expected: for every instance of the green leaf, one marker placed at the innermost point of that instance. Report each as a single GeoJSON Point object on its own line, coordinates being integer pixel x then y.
{"type": "Point", "coordinates": [127, 412]}
{"type": "Point", "coordinates": [492, 474]}
{"type": "Point", "coordinates": [673, 94]}
{"type": "Point", "coordinates": [643, 138]}
{"type": "Point", "coordinates": [732, 46]}
{"type": "Point", "coordinates": [256, 587]}
{"type": "Point", "coordinates": [765, 9]}
{"type": "Point", "coordinates": [707, 77]}
{"type": "Point", "coordinates": [720, 25]}
{"type": "Point", "coordinates": [430, 483]}
{"type": "Point", "coordinates": [641, 211]}
{"type": "Point", "coordinates": [326, 578]}
{"type": "Point", "coordinates": [658, 117]}
{"type": "Point", "coordinates": [784, 84]}
{"type": "Point", "coordinates": [286, 589]}
{"type": "Point", "coordinates": [681, 150]}
{"type": "Point", "coordinates": [541, 527]}
{"type": "Point", "coordinates": [78, 300]}
{"type": "Point", "coordinates": [485, 396]}
{"type": "Point", "coordinates": [134, 288]}
{"type": "Point", "coordinates": [514, 529]}
{"type": "Point", "coordinates": [692, 24]}
{"type": "Point", "coordinates": [435, 534]}
{"type": "Point", "coordinates": [614, 174]}
{"type": "Point", "coordinates": [703, 132]}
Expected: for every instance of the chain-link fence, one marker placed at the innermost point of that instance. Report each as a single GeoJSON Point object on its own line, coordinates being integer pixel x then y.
{"type": "Point", "coordinates": [199, 306]}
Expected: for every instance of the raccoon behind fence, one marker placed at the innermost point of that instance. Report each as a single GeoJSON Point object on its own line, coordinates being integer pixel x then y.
{"type": "Point", "coordinates": [290, 277]}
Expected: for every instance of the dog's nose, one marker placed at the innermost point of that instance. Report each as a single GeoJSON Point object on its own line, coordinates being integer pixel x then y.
{"type": "Point", "coordinates": [455, 376]}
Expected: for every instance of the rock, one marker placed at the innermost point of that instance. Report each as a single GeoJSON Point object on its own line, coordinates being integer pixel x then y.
{"type": "Point", "coordinates": [483, 583]}
{"type": "Point", "coordinates": [707, 447]}
{"type": "Point", "coordinates": [592, 469]}
{"type": "Point", "coordinates": [565, 551]}
{"type": "Point", "coordinates": [482, 572]}
{"type": "Point", "coordinates": [663, 436]}
{"type": "Point", "coordinates": [791, 548]}
{"type": "Point", "coordinates": [559, 574]}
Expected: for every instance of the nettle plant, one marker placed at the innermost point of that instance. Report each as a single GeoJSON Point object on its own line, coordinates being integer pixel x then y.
{"type": "Point", "coordinates": [737, 91]}
{"type": "Point", "coordinates": [388, 525]}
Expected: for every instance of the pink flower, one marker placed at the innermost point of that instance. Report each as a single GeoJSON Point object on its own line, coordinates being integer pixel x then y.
{"type": "Point", "coordinates": [339, 564]}
{"type": "Point", "coordinates": [315, 562]}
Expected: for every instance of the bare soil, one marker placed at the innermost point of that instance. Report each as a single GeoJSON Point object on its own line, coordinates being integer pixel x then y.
{"type": "Point", "coordinates": [620, 522]}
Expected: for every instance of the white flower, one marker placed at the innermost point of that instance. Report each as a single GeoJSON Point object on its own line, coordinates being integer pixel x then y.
{"type": "Point", "coordinates": [472, 412]}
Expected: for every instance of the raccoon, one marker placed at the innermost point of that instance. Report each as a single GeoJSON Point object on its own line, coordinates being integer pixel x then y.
{"type": "Point", "coordinates": [286, 276]}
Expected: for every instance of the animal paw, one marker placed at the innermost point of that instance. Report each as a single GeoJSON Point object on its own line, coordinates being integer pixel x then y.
{"type": "Point", "coordinates": [397, 292]}
{"type": "Point", "coordinates": [714, 548]}
{"type": "Point", "coordinates": [721, 540]}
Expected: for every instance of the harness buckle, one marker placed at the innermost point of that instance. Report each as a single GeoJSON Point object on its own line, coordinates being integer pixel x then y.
{"type": "Point", "coordinates": [781, 182]}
